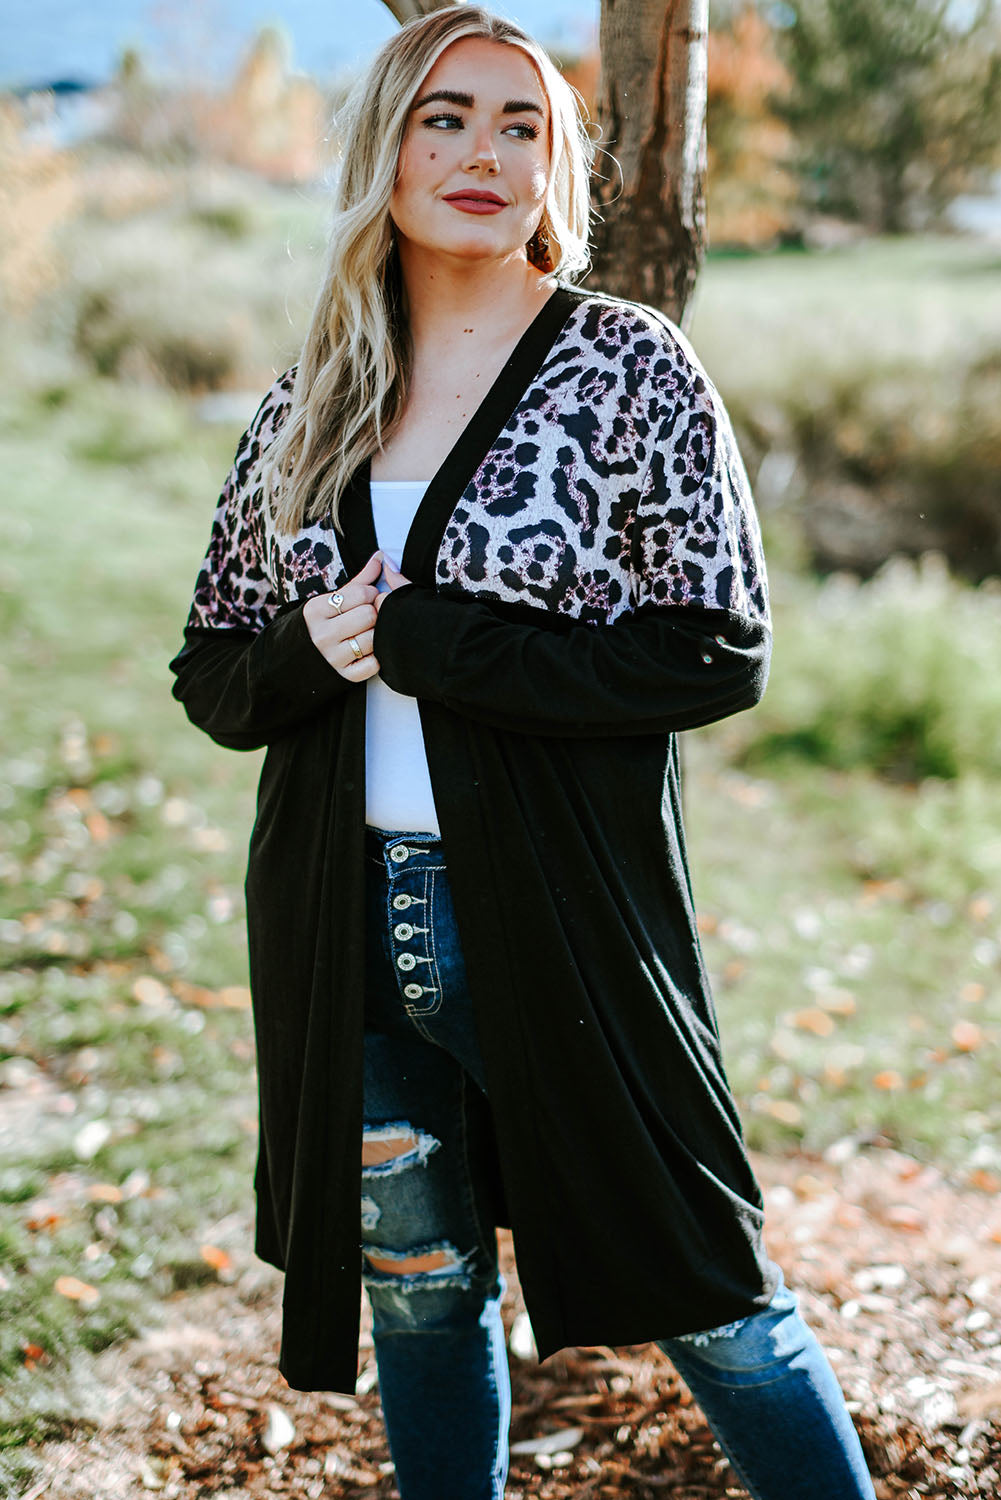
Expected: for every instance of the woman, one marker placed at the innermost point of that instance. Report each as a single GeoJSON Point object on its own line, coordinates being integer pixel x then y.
{"type": "Point", "coordinates": [478, 558]}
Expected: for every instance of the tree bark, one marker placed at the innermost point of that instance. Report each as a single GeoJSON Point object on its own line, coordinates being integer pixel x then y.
{"type": "Point", "coordinates": [405, 10]}
{"type": "Point", "coordinates": [649, 242]}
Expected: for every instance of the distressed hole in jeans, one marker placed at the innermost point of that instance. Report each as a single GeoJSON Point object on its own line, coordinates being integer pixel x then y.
{"type": "Point", "coordinates": [435, 1260]}
{"type": "Point", "coordinates": [394, 1147]}
{"type": "Point", "coordinates": [371, 1213]}
{"type": "Point", "coordinates": [705, 1338]}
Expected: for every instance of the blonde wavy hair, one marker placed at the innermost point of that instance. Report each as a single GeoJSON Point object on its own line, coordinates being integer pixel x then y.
{"type": "Point", "coordinates": [354, 371]}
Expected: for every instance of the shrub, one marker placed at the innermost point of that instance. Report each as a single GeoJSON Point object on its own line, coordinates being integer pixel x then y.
{"type": "Point", "coordinates": [852, 468]}
{"type": "Point", "coordinates": [897, 463]}
{"type": "Point", "coordinates": [184, 294]}
{"type": "Point", "coordinates": [901, 674]}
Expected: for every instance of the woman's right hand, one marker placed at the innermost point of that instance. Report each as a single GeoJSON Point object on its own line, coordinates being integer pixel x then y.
{"type": "Point", "coordinates": [347, 615]}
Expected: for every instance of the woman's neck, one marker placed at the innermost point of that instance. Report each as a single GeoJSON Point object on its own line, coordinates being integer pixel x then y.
{"type": "Point", "coordinates": [490, 300]}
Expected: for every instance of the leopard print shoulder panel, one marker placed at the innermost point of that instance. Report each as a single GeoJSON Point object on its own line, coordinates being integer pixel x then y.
{"type": "Point", "coordinates": [615, 482]}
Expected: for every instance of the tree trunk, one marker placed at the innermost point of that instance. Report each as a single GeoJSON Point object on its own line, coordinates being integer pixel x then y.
{"type": "Point", "coordinates": [405, 10]}
{"type": "Point", "coordinates": [650, 239]}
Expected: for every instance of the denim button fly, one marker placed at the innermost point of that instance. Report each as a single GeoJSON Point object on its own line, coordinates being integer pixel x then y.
{"type": "Point", "coordinates": [416, 908]}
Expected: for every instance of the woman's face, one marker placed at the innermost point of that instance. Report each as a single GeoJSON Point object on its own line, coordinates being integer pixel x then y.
{"type": "Point", "coordinates": [474, 164]}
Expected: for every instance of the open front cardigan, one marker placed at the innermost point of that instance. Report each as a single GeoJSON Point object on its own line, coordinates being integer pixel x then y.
{"type": "Point", "coordinates": [587, 580]}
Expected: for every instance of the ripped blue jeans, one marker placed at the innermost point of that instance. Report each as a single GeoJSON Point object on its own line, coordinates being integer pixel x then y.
{"type": "Point", "coordinates": [430, 1251]}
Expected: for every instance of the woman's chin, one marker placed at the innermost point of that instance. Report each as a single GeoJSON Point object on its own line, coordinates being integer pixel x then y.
{"type": "Point", "coordinates": [470, 249]}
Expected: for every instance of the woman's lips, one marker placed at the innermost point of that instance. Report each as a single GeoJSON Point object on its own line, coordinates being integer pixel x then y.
{"type": "Point", "coordinates": [473, 205]}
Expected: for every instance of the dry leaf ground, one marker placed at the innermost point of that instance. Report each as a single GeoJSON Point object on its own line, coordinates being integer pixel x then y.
{"type": "Point", "coordinates": [898, 1270]}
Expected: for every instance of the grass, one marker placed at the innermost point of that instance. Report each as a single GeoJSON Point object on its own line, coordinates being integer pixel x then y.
{"type": "Point", "coordinates": [851, 920]}
{"type": "Point", "coordinates": [852, 930]}
{"type": "Point", "coordinates": [765, 326]}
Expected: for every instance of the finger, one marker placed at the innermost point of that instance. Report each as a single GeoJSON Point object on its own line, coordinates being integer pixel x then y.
{"type": "Point", "coordinates": [353, 621]}
{"type": "Point", "coordinates": [360, 671]}
{"type": "Point", "coordinates": [392, 574]}
{"type": "Point", "coordinates": [381, 599]}
{"type": "Point", "coordinates": [370, 572]}
{"type": "Point", "coordinates": [348, 597]}
{"type": "Point", "coordinates": [355, 648]}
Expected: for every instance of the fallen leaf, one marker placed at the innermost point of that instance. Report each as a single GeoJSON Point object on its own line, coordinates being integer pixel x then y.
{"type": "Point", "coordinates": [882, 890]}
{"type": "Point", "coordinates": [77, 1290]}
{"type": "Point", "coordinates": [218, 1259]}
{"type": "Point", "coordinates": [967, 1036]}
{"type": "Point", "coordinates": [808, 1186]}
{"type": "Point", "coordinates": [279, 1431]}
{"type": "Point", "coordinates": [339, 1464]}
{"type": "Point", "coordinates": [550, 1442]}
{"type": "Point", "coordinates": [522, 1339]}
{"type": "Point", "coordinates": [151, 992]}
{"type": "Point", "coordinates": [782, 1110]}
{"type": "Point", "coordinates": [153, 1474]}
{"type": "Point", "coordinates": [230, 997]}
{"type": "Point", "coordinates": [210, 840]}
{"type": "Point", "coordinates": [838, 1002]}
{"type": "Point", "coordinates": [234, 996]}
{"type": "Point", "coordinates": [39, 1222]}
{"type": "Point", "coordinates": [33, 1354]}
{"type": "Point", "coordinates": [889, 1080]}
{"type": "Point", "coordinates": [904, 1216]}
{"type": "Point", "coordinates": [98, 827]}
{"type": "Point", "coordinates": [90, 1138]}
{"type": "Point", "coordinates": [815, 1020]}
{"type": "Point", "coordinates": [986, 1181]}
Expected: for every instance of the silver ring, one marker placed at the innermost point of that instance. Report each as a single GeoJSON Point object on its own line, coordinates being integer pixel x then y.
{"type": "Point", "coordinates": [336, 602]}
{"type": "Point", "coordinates": [356, 650]}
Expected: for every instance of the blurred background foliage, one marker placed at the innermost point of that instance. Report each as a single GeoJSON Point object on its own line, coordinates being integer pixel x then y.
{"type": "Point", "coordinates": [154, 273]}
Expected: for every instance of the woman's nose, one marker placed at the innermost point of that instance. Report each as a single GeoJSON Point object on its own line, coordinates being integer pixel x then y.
{"type": "Point", "coordinates": [482, 152]}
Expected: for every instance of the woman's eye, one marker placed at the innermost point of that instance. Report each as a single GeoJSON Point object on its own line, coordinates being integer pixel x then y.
{"type": "Point", "coordinates": [436, 120]}
{"type": "Point", "coordinates": [524, 130]}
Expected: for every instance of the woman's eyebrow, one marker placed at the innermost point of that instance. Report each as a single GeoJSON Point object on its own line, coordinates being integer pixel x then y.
{"type": "Point", "coordinates": [466, 101]}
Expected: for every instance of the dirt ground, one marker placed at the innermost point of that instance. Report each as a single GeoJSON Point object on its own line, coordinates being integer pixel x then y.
{"type": "Point", "coordinates": [898, 1270]}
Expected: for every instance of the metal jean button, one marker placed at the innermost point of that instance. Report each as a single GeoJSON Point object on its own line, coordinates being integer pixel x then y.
{"type": "Point", "coordinates": [406, 962]}
{"type": "Point", "coordinates": [402, 901]}
{"type": "Point", "coordinates": [399, 853]}
{"type": "Point", "coordinates": [403, 931]}
{"type": "Point", "coordinates": [413, 991]}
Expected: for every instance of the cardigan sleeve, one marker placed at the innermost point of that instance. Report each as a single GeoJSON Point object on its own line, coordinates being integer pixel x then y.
{"type": "Point", "coordinates": [248, 671]}
{"type": "Point", "coordinates": [694, 648]}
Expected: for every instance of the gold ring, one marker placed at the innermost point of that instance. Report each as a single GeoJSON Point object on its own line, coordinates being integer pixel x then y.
{"type": "Point", "coordinates": [356, 650]}
{"type": "Point", "coordinates": [336, 602]}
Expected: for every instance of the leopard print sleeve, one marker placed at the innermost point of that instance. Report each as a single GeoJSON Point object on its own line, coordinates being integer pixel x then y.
{"type": "Point", "coordinates": [698, 542]}
{"type": "Point", "coordinates": [234, 589]}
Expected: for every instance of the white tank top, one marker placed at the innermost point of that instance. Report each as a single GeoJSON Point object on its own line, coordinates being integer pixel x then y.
{"type": "Point", "coordinates": [398, 793]}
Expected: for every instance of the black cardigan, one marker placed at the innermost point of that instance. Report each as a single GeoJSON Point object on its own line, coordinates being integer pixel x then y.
{"type": "Point", "coordinates": [587, 579]}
